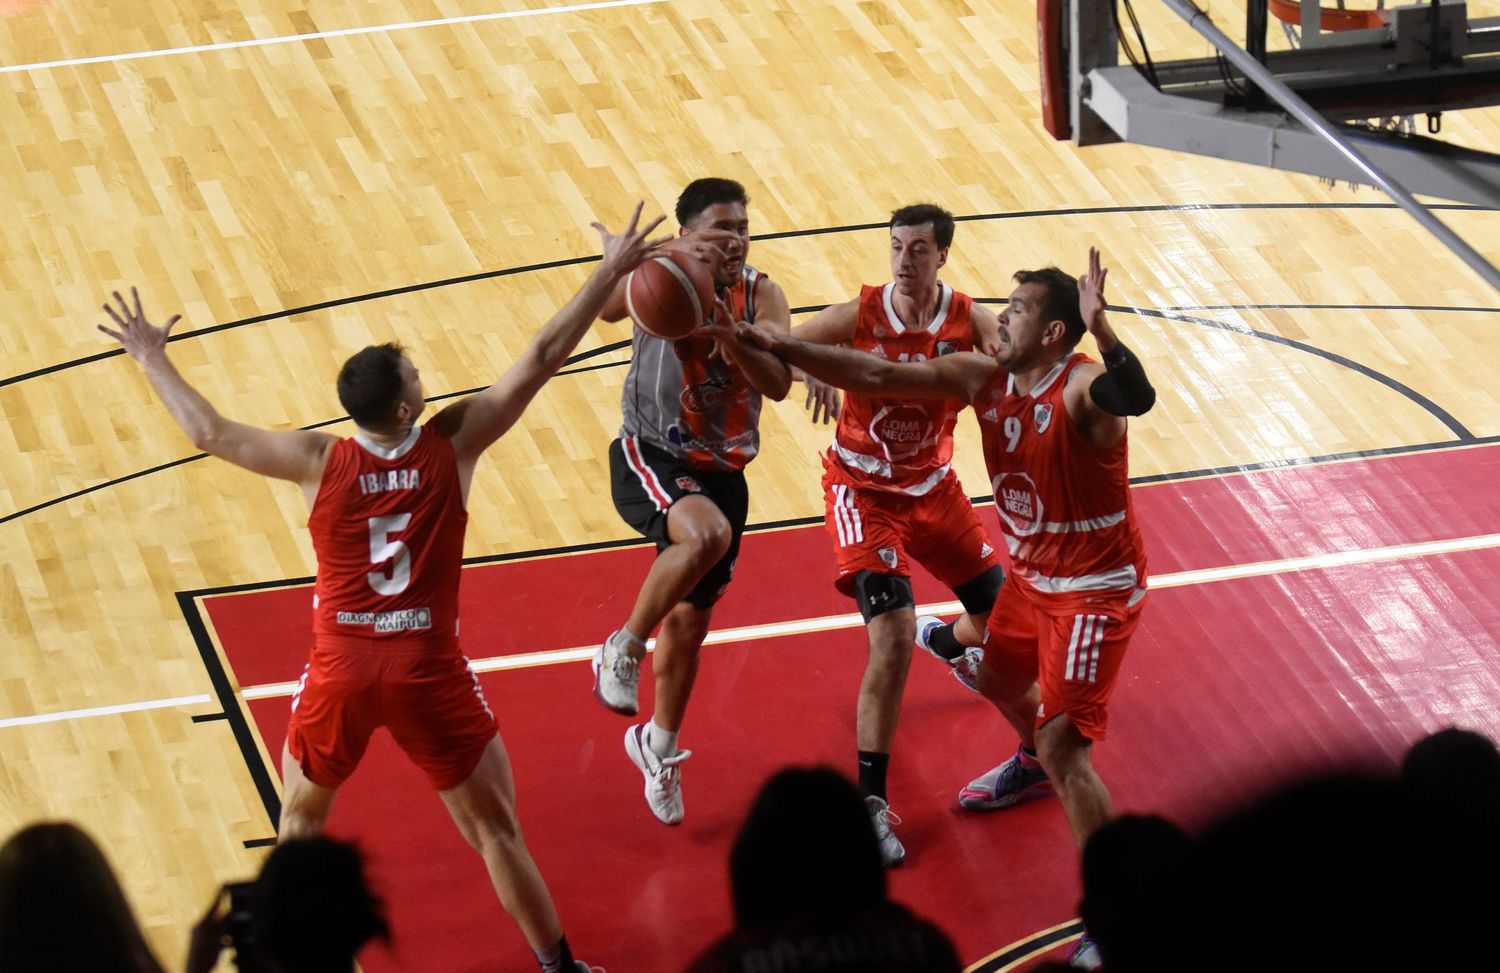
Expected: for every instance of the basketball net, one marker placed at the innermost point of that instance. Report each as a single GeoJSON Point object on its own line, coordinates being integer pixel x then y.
{"type": "Point", "coordinates": [1394, 124]}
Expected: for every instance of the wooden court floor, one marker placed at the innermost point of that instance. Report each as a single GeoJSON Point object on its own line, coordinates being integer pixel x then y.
{"type": "Point", "coordinates": [296, 199]}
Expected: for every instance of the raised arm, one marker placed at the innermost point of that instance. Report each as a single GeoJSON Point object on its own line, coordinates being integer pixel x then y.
{"type": "Point", "coordinates": [295, 455]}
{"type": "Point", "coordinates": [1099, 397]}
{"type": "Point", "coordinates": [958, 376]}
{"type": "Point", "coordinates": [474, 422]}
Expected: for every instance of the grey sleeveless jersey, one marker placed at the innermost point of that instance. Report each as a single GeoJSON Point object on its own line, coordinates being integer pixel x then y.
{"type": "Point", "coordinates": [679, 400]}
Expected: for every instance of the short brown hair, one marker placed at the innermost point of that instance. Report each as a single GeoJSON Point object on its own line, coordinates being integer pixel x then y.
{"type": "Point", "coordinates": [370, 384]}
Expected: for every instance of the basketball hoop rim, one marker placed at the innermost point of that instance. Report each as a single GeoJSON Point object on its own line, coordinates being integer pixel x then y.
{"type": "Point", "coordinates": [1330, 18]}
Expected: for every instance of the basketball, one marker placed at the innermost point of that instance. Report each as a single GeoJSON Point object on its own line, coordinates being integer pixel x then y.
{"type": "Point", "coordinates": [670, 294]}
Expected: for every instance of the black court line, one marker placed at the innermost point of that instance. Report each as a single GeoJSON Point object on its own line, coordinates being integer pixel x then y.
{"type": "Point", "coordinates": [309, 309]}
{"type": "Point", "coordinates": [783, 235]}
{"type": "Point", "coordinates": [1027, 948]}
{"type": "Point", "coordinates": [1432, 408]}
{"type": "Point", "coordinates": [244, 737]}
{"type": "Point", "coordinates": [1332, 307]}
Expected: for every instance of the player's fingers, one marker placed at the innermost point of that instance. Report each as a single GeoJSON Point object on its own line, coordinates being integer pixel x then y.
{"type": "Point", "coordinates": [115, 316]}
{"type": "Point", "coordinates": [137, 298]}
{"type": "Point", "coordinates": [166, 329]}
{"type": "Point", "coordinates": [646, 230]}
{"type": "Point", "coordinates": [113, 334]}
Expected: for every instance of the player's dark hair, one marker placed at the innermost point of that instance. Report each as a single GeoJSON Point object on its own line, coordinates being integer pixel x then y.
{"type": "Point", "coordinates": [920, 213]}
{"type": "Point", "coordinates": [370, 384]}
{"type": "Point", "coordinates": [1061, 302]}
{"type": "Point", "coordinates": [700, 194]}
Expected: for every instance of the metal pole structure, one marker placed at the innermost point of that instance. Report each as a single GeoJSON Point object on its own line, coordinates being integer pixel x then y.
{"type": "Point", "coordinates": [1302, 112]}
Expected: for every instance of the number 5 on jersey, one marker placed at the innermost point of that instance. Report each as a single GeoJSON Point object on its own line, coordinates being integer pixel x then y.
{"type": "Point", "coordinates": [383, 549]}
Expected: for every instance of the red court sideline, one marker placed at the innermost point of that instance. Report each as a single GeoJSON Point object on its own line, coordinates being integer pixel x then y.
{"type": "Point", "coordinates": [1300, 616]}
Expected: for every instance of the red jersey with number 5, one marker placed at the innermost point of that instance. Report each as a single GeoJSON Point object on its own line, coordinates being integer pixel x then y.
{"type": "Point", "coordinates": [901, 445]}
{"type": "Point", "coordinates": [1064, 503]}
{"type": "Point", "coordinates": [388, 528]}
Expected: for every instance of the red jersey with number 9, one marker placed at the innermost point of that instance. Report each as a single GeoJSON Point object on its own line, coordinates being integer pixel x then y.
{"type": "Point", "coordinates": [1063, 503]}
{"type": "Point", "coordinates": [388, 528]}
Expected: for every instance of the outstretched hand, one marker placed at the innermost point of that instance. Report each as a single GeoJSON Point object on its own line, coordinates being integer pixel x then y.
{"type": "Point", "coordinates": [707, 245]}
{"type": "Point", "coordinates": [623, 251]}
{"type": "Point", "coordinates": [725, 331]}
{"type": "Point", "coordinates": [139, 336]}
{"type": "Point", "coordinates": [1091, 302]}
{"type": "Point", "coordinates": [823, 400]}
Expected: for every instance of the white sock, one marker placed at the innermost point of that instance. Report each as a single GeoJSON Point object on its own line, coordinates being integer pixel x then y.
{"type": "Point", "coordinates": [663, 743]}
{"type": "Point", "coordinates": [623, 637]}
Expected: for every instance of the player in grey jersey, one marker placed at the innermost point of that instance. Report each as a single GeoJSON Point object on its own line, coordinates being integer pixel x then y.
{"type": "Point", "coordinates": [691, 418]}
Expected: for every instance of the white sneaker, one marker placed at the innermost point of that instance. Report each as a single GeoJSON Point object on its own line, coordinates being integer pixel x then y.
{"type": "Point", "coordinates": [892, 852]}
{"type": "Point", "coordinates": [965, 668]}
{"type": "Point", "coordinates": [663, 779]}
{"type": "Point", "coordinates": [617, 676]}
{"type": "Point", "coordinates": [967, 671]}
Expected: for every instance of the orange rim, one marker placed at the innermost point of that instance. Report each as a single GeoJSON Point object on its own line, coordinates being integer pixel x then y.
{"type": "Point", "coordinates": [1330, 18]}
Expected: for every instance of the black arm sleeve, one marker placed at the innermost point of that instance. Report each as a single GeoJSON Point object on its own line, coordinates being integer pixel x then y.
{"type": "Point", "coordinates": [1123, 389]}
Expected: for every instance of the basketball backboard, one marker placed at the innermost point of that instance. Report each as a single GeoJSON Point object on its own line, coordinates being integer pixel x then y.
{"type": "Point", "coordinates": [1375, 66]}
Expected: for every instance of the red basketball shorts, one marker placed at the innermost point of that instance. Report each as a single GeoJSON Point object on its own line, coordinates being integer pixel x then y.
{"type": "Point", "coordinates": [427, 698]}
{"type": "Point", "coordinates": [1073, 653]}
{"type": "Point", "coordinates": [886, 533]}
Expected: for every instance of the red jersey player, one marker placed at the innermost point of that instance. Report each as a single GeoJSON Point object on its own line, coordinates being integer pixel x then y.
{"type": "Point", "coordinates": [387, 525]}
{"type": "Point", "coordinates": [891, 495]}
{"type": "Point", "coordinates": [1054, 430]}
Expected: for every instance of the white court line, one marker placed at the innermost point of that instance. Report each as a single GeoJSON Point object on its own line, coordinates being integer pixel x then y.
{"type": "Point", "coordinates": [827, 623]}
{"type": "Point", "coordinates": [71, 714]}
{"type": "Point", "coordinates": [346, 32]}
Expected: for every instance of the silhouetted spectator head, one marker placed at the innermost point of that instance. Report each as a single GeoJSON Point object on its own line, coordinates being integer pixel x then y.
{"type": "Point", "coordinates": [1133, 874]}
{"type": "Point", "coordinates": [1452, 778]}
{"type": "Point", "coordinates": [1458, 771]}
{"type": "Point", "coordinates": [313, 910]}
{"type": "Point", "coordinates": [1326, 873]}
{"type": "Point", "coordinates": [807, 846]}
{"type": "Point", "coordinates": [61, 907]}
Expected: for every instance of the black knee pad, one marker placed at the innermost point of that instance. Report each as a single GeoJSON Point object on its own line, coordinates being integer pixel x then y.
{"type": "Point", "coordinates": [978, 594]}
{"type": "Point", "coordinates": [877, 594]}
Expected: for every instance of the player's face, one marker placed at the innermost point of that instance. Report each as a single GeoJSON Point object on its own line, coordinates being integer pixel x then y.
{"type": "Point", "coordinates": [411, 389]}
{"type": "Point", "coordinates": [915, 259]}
{"type": "Point", "coordinates": [1022, 327]}
{"type": "Point", "coordinates": [732, 218]}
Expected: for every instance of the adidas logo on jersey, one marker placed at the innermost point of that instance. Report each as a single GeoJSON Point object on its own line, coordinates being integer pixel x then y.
{"type": "Point", "coordinates": [985, 550]}
{"type": "Point", "coordinates": [878, 350]}
{"type": "Point", "coordinates": [991, 415]}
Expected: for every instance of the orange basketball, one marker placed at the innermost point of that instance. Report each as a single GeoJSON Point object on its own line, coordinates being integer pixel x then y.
{"type": "Point", "coordinates": [670, 294]}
